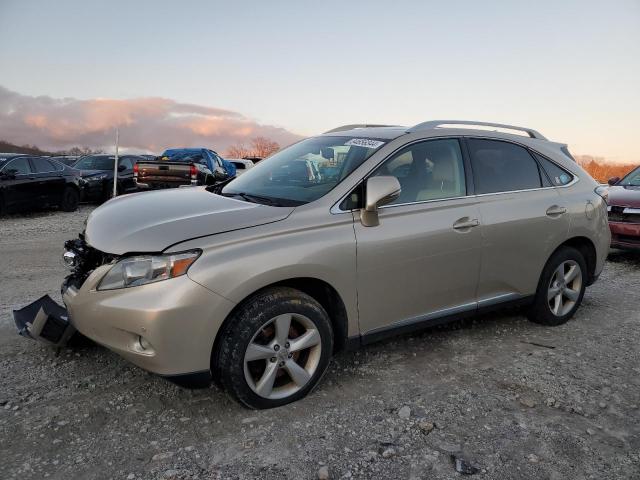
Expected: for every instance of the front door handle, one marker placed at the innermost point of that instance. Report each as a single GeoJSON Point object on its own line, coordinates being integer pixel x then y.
{"type": "Point", "coordinates": [465, 223]}
{"type": "Point", "coordinates": [555, 211]}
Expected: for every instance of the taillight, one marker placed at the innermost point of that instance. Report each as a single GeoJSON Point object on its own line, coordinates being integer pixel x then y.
{"type": "Point", "coordinates": [135, 169]}
{"type": "Point", "coordinates": [194, 171]}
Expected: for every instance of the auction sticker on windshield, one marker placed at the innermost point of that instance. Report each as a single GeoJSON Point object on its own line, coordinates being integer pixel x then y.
{"type": "Point", "coordinates": [364, 142]}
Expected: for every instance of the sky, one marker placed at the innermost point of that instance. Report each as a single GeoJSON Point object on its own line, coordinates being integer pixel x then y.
{"type": "Point", "coordinates": [222, 72]}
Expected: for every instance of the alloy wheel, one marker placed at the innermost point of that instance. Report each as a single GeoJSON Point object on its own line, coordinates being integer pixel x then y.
{"type": "Point", "coordinates": [564, 288]}
{"type": "Point", "coordinates": [282, 356]}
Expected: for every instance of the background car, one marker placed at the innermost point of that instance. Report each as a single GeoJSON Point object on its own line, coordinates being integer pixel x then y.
{"type": "Point", "coordinates": [29, 181]}
{"type": "Point", "coordinates": [624, 210]}
{"type": "Point", "coordinates": [97, 175]}
{"type": "Point", "coordinates": [241, 164]}
{"type": "Point", "coordinates": [178, 167]}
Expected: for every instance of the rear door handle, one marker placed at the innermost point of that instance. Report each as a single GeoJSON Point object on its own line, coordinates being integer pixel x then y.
{"type": "Point", "coordinates": [555, 210]}
{"type": "Point", "coordinates": [465, 223]}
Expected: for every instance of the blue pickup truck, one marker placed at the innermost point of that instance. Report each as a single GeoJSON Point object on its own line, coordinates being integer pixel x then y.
{"type": "Point", "coordinates": [178, 167]}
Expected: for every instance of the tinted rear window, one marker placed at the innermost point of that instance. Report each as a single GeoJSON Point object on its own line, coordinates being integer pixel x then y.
{"type": "Point", "coordinates": [95, 163]}
{"type": "Point", "coordinates": [42, 165]}
{"type": "Point", "coordinates": [502, 167]}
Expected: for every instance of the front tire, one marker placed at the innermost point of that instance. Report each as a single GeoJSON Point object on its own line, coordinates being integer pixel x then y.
{"type": "Point", "coordinates": [70, 199]}
{"type": "Point", "coordinates": [560, 289]}
{"type": "Point", "coordinates": [274, 349]}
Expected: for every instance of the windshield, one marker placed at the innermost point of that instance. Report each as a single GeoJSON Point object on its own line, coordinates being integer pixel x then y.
{"type": "Point", "coordinates": [632, 179]}
{"type": "Point", "coordinates": [303, 172]}
{"type": "Point", "coordinates": [95, 163]}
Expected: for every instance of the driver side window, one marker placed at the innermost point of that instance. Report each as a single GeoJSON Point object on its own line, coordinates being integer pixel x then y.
{"type": "Point", "coordinates": [429, 170]}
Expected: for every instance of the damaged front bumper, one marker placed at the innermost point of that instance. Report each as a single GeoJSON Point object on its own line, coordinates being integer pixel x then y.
{"type": "Point", "coordinates": [46, 321]}
{"type": "Point", "coordinates": [167, 328]}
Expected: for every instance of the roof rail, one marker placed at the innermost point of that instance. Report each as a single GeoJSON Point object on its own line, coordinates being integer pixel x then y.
{"type": "Point", "coordinates": [436, 123]}
{"type": "Point", "coordinates": [356, 125]}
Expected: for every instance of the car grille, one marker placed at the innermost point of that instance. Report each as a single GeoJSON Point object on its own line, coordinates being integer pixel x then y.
{"type": "Point", "coordinates": [87, 259]}
{"type": "Point", "coordinates": [616, 214]}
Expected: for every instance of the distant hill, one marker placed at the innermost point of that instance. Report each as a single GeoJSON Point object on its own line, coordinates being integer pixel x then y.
{"type": "Point", "coordinates": [6, 147]}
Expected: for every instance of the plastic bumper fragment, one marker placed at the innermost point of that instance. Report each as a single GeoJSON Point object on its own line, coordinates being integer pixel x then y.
{"type": "Point", "coordinates": [44, 320]}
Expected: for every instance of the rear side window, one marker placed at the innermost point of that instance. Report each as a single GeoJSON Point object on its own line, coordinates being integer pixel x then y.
{"type": "Point", "coordinates": [558, 176]}
{"type": "Point", "coordinates": [18, 166]}
{"type": "Point", "coordinates": [42, 165]}
{"type": "Point", "coordinates": [502, 167]}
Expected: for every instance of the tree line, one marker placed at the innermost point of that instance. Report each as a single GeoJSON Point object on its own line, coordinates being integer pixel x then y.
{"type": "Point", "coordinates": [601, 170]}
{"type": "Point", "coordinates": [7, 147]}
{"type": "Point", "coordinates": [259, 147]}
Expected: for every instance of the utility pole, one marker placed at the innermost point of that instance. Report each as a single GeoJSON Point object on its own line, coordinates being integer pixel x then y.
{"type": "Point", "coordinates": [115, 167]}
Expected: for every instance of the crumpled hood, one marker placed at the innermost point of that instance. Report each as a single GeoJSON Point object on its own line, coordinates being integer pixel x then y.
{"type": "Point", "coordinates": [624, 196]}
{"type": "Point", "coordinates": [152, 221]}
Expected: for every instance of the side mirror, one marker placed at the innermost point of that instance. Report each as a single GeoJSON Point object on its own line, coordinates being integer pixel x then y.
{"type": "Point", "coordinates": [380, 191]}
{"type": "Point", "coordinates": [122, 168]}
{"type": "Point", "coordinates": [613, 180]}
{"type": "Point", "coordinates": [7, 175]}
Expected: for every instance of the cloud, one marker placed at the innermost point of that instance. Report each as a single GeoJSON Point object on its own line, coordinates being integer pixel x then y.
{"type": "Point", "coordinates": [150, 124]}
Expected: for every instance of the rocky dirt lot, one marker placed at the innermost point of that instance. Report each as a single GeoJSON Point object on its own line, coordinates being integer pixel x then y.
{"type": "Point", "coordinates": [514, 399]}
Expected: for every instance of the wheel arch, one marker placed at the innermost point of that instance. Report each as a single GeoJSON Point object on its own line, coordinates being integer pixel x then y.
{"type": "Point", "coordinates": [320, 290]}
{"type": "Point", "coordinates": [588, 250]}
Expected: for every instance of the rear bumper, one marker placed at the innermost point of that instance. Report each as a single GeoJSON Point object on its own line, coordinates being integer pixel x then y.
{"type": "Point", "coordinates": [625, 235]}
{"type": "Point", "coordinates": [167, 327]}
{"type": "Point", "coordinates": [156, 185]}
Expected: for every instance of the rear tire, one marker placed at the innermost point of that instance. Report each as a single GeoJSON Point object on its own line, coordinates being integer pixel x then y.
{"type": "Point", "coordinates": [70, 199]}
{"type": "Point", "coordinates": [560, 289]}
{"type": "Point", "coordinates": [274, 349]}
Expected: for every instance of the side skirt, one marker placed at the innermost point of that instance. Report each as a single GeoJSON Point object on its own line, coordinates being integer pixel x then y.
{"type": "Point", "coordinates": [437, 318]}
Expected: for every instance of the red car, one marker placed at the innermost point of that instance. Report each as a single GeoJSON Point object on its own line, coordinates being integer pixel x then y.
{"type": "Point", "coordinates": [624, 210]}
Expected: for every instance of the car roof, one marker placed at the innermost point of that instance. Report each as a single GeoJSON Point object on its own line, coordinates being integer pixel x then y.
{"type": "Point", "coordinates": [437, 128]}
{"type": "Point", "coordinates": [386, 133]}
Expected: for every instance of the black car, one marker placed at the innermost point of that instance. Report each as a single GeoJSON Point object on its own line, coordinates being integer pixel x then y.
{"type": "Point", "coordinates": [97, 175]}
{"type": "Point", "coordinates": [29, 181]}
{"type": "Point", "coordinates": [69, 160]}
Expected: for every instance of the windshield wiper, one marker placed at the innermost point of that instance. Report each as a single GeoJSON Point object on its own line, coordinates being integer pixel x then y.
{"type": "Point", "coordinates": [271, 201]}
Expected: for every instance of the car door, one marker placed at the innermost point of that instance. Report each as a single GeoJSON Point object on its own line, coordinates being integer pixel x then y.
{"type": "Point", "coordinates": [522, 220]}
{"type": "Point", "coordinates": [50, 182]}
{"type": "Point", "coordinates": [421, 263]}
{"type": "Point", "coordinates": [18, 183]}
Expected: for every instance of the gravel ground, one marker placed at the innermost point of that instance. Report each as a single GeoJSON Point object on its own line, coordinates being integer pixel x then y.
{"type": "Point", "coordinates": [514, 399]}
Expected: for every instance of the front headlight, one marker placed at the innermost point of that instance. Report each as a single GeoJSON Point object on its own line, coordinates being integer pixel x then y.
{"type": "Point", "coordinates": [143, 269]}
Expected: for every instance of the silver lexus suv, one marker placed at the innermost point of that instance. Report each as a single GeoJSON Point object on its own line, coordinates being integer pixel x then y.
{"type": "Point", "coordinates": [257, 282]}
